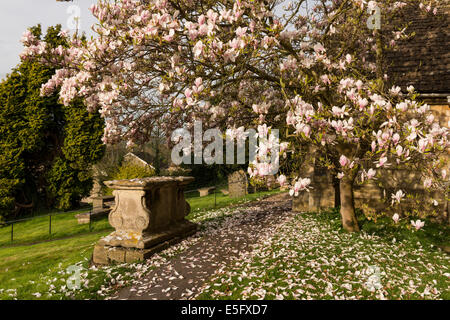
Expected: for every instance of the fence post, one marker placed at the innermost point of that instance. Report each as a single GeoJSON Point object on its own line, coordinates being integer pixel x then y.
{"type": "Point", "coordinates": [12, 232]}
{"type": "Point", "coordinates": [50, 225]}
{"type": "Point", "coordinates": [90, 219]}
{"type": "Point", "coordinates": [215, 197]}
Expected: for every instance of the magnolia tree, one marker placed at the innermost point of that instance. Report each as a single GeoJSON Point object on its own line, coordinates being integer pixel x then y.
{"type": "Point", "coordinates": [314, 69]}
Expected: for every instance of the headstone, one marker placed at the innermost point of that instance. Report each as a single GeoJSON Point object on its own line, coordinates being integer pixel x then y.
{"type": "Point", "coordinates": [148, 216]}
{"type": "Point", "coordinates": [99, 202]}
{"type": "Point", "coordinates": [101, 206]}
{"type": "Point", "coordinates": [139, 159]}
{"type": "Point", "coordinates": [96, 188]}
{"type": "Point", "coordinates": [205, 191]}
{"type": "Point", "coordinates": [237, 184]}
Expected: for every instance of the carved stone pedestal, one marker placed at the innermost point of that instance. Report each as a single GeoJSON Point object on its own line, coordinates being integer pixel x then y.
{"type": "Point", "coordinates": [148, 216]}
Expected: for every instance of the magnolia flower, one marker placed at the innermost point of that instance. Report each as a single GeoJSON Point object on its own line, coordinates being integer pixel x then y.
{"type": "Point", "coordinates": [240, 32]}
{"type": "Point", "coordinates": [427, 182]}
{"type": "Point", "coordinates": [403, 106]}
{"type": "Point", "coordinates": [399, 150]}
{"type": "Point", "coordinates": [282, 180]}
{"type": "Point", "coordinates": [300, 185]}
{"type": "Point", "coordinates": [430, 118]}
{"type": "Point", "coordinates": [362, 103]}
{"type": "Point", "coordinates": [343, 160]}
{"type": "Point", "coordinates": [435, 203]}
{"type": "Point", "coordinates": [374, 146]}
{"type": "Point", "coordinates": [410, 89]}
{"type": "Point", "coordinates": [371, 173]}
{"type": "Point", "coordinates": [422, 145]}
{"type": "Point", "coordinates": [340, 175]}
{"type": "Point", "coordinates": [198, 49]}
{"type": "Point", "coordinates": [395, 138]}
{"type": "Point", "coordinates": [339, 112]}
{"type": "Point", "coordinates": [318, 48]}
{"type": "Point", "coordinates": [395, 217]}
{"type": "Point", "coordinates": [398, 196]}
{"type": "Point", "coordinates": [325, 79]}
{"type": "Point", "coordinates": [348, 58]}
{"type": "Point", "coordinates": [381, 162]}
{"type": "Point", "coordinates": [395, 90]}
{"type": "Point", "coordinates": [417, 224]}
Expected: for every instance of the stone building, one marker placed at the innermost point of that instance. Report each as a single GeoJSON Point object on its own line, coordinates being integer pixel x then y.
{"type": "Point", "coordinates": [422, 61]}
{"type": "Point", "coordinates": [141, 159]}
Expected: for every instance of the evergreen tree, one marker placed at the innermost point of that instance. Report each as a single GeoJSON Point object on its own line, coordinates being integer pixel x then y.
{"type": "Point", "coordinates": [47, 149]}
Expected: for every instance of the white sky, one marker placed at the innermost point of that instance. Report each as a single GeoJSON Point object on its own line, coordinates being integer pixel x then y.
{"type": "Point", "coordinates": [17, 15]}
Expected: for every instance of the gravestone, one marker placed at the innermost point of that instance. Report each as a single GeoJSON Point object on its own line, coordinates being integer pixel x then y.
{"type": "Point", "coordinates": [237, 184]}
{"type": "Point", "coordinates": [148, 216]}
{"type": "Point", "coordinates": [101, 206]}
{"type": "Point", "coordinates": [272, 182]}
{"type": "Point", "coordinates": [205, 191]}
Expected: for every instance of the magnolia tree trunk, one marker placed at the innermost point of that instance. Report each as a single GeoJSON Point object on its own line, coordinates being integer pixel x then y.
{"type": "Point", "coordinates": [349, 221]}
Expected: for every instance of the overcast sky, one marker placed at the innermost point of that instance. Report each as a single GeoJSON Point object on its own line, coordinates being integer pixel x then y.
{"type": "Point", "coordinates": [17, 15]}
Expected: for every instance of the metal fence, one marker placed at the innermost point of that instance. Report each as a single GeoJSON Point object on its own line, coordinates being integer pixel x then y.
{"type": "Point", "coordinates": [12, 223]}
{"type": "Point", "coordinates": [215, 190]}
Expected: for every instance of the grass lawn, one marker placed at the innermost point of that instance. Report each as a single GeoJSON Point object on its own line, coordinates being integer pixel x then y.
{"type": "Point", "coordinates": [312, 258]}
{"type": "Point", "coordinates": [200, 204]}
{"type": "Point", "coordinates": [37, 229]}
{"type": "Point", "coordinates": [39, 271]}
{"type": "Point", "coordinates": [31, 269]}
{"type": "Point", "coordinates": [309, 257]}
{"type": "Point", "coordinates": [65, 224]}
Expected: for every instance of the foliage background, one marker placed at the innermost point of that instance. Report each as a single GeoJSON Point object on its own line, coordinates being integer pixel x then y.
{"type": "Point", "coordinates": [47, 149]}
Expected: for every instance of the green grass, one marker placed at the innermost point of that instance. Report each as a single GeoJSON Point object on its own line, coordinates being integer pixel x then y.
{"type": "Point", "coordinates": [26, 270]}
{"type": "Point", "coordinates": [200, 204]}
{"type": "Point", "coordinates": [37, 229]}
{"type": "Point", "coordinates": [301, 260]}
{"type": "Point", "coordinates": [41, 271]}
{"type": "Point", "coordinates": [66, 225]}
{"type": "Point", "coordinates": [310, 257]}
{"type": "Point", "coordinates": [41, 268]}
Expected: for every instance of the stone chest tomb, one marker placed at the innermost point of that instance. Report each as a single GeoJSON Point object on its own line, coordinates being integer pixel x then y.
{"type": "Point", "coordinates": [149, 215]}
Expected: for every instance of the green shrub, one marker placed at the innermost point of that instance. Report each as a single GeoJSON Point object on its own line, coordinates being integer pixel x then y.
{"type": "Point", "coordinates": [130, 171]}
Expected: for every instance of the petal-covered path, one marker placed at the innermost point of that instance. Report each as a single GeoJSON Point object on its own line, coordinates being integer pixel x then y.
{"type": "Point", "coordinates": [263, 250]}
{"type": "Point", "coordinates": [212, 250]}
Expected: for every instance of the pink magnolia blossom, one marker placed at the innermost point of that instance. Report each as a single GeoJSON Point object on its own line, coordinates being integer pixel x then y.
{"type": "Point", "coordinates": [371, 173]}
{"type": "Point", "coordinates": [282, 180]}
{"type": "Point", "coordinates": [418, 224]}
{"type": "Point", "coordinates": [344, 161]}
{"type": "Point", "coordinates": [396, 217]}
{"type": "Point", "coordinates": [398, 196]}
{"type": "Point", "coordinates": [382, 162]}
{"type": "Point", "coordinates": [427, 183]}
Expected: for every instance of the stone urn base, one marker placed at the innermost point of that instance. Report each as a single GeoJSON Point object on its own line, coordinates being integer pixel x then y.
{"type": "Point", "coordinates": [148, 216]}
{"type": "Point", "coordinates": [120, 247]}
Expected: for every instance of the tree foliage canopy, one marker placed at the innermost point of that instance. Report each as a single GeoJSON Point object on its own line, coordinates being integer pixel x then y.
{"type": "Point", "coordinates": [314, 69]}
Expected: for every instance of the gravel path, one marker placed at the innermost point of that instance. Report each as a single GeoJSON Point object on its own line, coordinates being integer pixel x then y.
{"type": "Point", "coordinates": [183, 275]}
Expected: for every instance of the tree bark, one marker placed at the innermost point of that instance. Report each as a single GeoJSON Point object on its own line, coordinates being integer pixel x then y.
{"type": "Point", "coordinates": [348, 216]}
